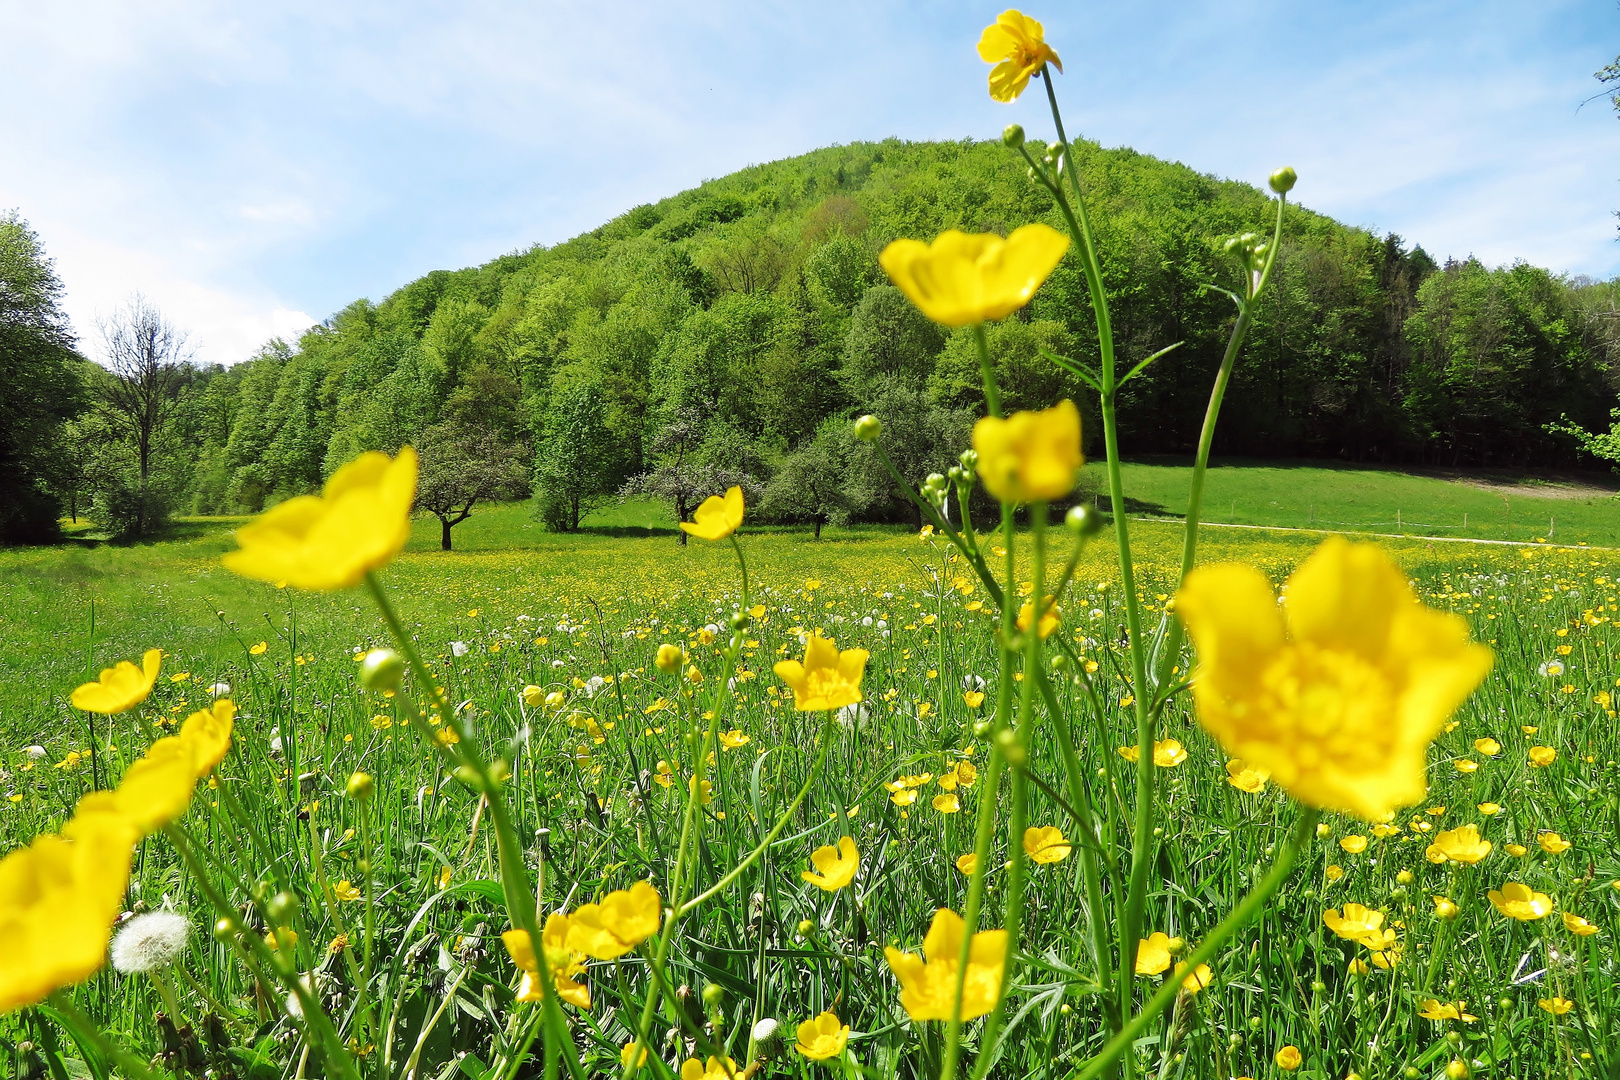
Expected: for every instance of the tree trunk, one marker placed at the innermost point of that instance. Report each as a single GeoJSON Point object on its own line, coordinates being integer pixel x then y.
{"type": "Point", "coordinates": [573, 513]}
{"type": "Point", "coordinates": [818, 528]}
{"type": "Point", "coordinates": [680, 516]}
{"type": "Point", "coordinates": [444, 536]}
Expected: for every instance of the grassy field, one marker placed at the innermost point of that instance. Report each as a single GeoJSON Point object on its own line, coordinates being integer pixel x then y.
{"type": "Point", "coordinates": [582, 616]}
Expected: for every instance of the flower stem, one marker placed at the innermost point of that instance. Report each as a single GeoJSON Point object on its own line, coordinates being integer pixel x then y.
{"type": "Point", "coordinates": [1247, 909]}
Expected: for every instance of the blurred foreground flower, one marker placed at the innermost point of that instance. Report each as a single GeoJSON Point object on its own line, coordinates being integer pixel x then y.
{"type": "Point", "coordinates": [961, 280]}
{"type": "Point", "coordinates": [1030, 457]}
{"type": "Point", "coordinates": [624, 919]}
{"type": "Point", "coordinates": [1339, 691]}
{"type": "Point", "coordinates": [565, 963]}
{"type": "Point", "coordinates": [359, 521]}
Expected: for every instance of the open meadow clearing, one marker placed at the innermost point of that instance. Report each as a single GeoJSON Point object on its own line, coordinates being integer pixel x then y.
{"type": "Point", "coordinates": [600, 755]}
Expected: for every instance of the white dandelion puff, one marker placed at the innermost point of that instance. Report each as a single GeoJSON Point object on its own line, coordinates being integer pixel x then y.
{"type": "Point", "coordinates": [151, 941]}
{"type": "Point", "coordinates": [458, 648]}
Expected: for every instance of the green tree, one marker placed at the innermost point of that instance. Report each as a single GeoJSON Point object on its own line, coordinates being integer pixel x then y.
{"type": "Point", "coordinates": [462, 466]}
{"type": "Point", "coordinates": [575, 467]}
{"type": "Point", "coordinates": [138, 397]}
{"type": "Point", "coordinates": [809, 483]}
{"type": "Point", "coordinates": [890, 343]}
{"type": "Point", "coordinates": [41, 386]}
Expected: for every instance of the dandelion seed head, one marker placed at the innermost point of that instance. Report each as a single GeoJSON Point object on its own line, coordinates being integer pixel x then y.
{"type": "Point", "coordinates": [150, 941]}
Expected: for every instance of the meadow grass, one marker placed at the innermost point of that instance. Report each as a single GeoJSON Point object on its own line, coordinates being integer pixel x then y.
{"type": "Point", "coordinates": [598, 784]}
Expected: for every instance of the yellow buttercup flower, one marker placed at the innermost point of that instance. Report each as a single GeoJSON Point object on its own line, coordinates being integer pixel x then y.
{"type": "Point", "coordinates": [827, 679]}
{"type": "Point", "coordinates": [947, 803]}
{"type": "Point", "coordinates": [1051, 616]}
{"type": "Point", "coordinates": [259, 649]}
{"type": "Point", "coordinates": [1046, 844]}
{"type": "Point", "coordinates": [1558, 1006]}
{"type": "Point", "coordinates": [1030, 456]}
{"type": "Point", "coordinates": [156, 789]}
{"type": "Point", "coordinates": [712, 1069]}
{"type": "Point", "coordinates": [1445, 909]}
{"type": "Point", "coordinates": [1542, 756]}
{"type": "Point", "coordinates": [1245, 777]}
{"type": "Point", "coordinates": [928, 982]}
{"type": "Point", "coordinates": [1355, 922]}
{"type": "Point", "coordinates": [1355, 845]}
{"type": "Point", "coordinates": [836, 865]}
{"type": "Point", "coordinates": [565, 962]}
{"type": "Point", "coordinates": [1340, 690]}
{"type": "Point", "coordinates": [58, 899]}
{"type": "Point", "coordinates": [1196, 979]}
{"type": "Point", "coordinates": [1448, 1010]}
{"type": "Point", "coordinates": [1579, 926]}
{"type": "Point", "coordinates": [359, 521]}
{"type": "Point", "coordinates": [1462, 845]}
{"type": "Point", "coordinates": [624, 919]}
{"type": "Point", "coordinates": [966, 863]}
{"type": "Point", "coordinates": [121, 687]}
{"type": "Point", "coordinates": [1168, 753]}
{"type": "Point", "coordinates": [718, 517]}
{"type": "Point", "coordinates": [1153, 954]}
{"type": "Point", "coordinates": [1016, 44]}
{"type": "Point", "coordinates": [1553, 844]}
{"type": "Point", "coordinates": [209, 733]}
{"type": "Point", "coordinates": [822, 1038]}
{"type": "Point", "coordinates": [1521, 902]}
{"type": "Point", "coordinates": [1488, 746]}
{"type": "Point", "coordinates": [347, 890]}
{"type": "Point", "coordinates": [1289, 1058]}
{"type": "Point", "coordinates": [962, 279]}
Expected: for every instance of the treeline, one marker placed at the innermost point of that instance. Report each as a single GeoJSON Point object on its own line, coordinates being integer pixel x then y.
{"type": "Point", "coordinates": [728, 334]}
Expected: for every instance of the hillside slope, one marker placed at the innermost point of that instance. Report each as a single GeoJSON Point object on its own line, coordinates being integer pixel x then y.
{"type": "Point", "coordinates": [728, 325]}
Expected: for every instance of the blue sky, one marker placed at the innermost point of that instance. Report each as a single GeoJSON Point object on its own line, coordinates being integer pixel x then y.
{"type": "Point", "coordinates": [254, 167]}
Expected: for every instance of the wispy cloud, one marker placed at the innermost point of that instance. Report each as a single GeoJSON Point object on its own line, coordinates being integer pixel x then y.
{"type": "Point", "coordinates": [245, 164]}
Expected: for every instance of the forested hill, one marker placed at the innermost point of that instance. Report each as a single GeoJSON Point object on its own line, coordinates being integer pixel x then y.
{"type": "Point", "coordinates": [729, 332]}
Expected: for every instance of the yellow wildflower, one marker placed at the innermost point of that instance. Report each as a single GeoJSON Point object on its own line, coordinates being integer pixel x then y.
{"type": "Point", "coordinates": [1579, 926]}
{"type": "Point", "coordinates": [712, 1069]}
{"type": "Point", "coordinates": [1016, 44]}
{"type": "Point", "coordinates": [1153, 954]}
{"type": "Point", "coordinates": [1030, 457]}
{"type": "Point", "coordinates": [1558, 1006]}
{"type": "Point", "coordinates": [718, 517]}
{"type": "Point", "coordinates": [947, 803]}
{"type": "Point", "coordinates": [928, 982]}
{"type": "Point", "coordinates": [1462, 845]}
{"type": "Point", "coordinates": [359, 522]}
{"type": "Point", "coordinates": [121, 687]}
{"type": "Point", "coordinates": [1542, 756]}
{"type": "Point", "coordinates": [1553, 844]}
{"type": "Point", "coordinates": [1355, 922]}
{"type": "Point", "coordinates": [624, 919]}
{"type": "Point", "coordinates": [827, 679]}
{"type": "Point", "coordinates": [1046, 844]}
{"type": "Point", "coordinates": [1449, 1010]}
{"type": "Point", "coordinates": [565, 963]}
{"type": "Point", "coordinates": [58, 899]}
{"type": "Point", "coordinates": [1243, 776]}
{"type": "Point", "coordinates": [1521, 902]}
{"type": "Point", "coordinates": [836, 865]}
{"type": "Point", "coordinates": [960, 280]}
{"type": "Point", "coordinates": [1196, 979]}
{"type": "Point", "coordinates": [1338, 692]}
{"type": "Point", "coordinates": [821, 1038]}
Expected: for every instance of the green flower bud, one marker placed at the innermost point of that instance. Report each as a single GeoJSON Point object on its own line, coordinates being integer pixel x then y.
{"type": "Point", "coordinates": [361, 787]}
{"type": "Point", "coordinates": [981, 729]}
{"type": "Point", "coordinates": [969, 460]}
{"type": "Point", "coordinates": [714, 995]}
{"type": "Point", "coordinates": [1082, 520]}
{"type": "Point", "coordinates": [382, 670]}
{"type": "Point", "coordinates": [1054, 151]}
{"type": "Point", "coordinates": [1457, 1070]}
{"type": "Point", "coordinates": [226, 929]}
{"type": "Point", "coordinates": [1012, 136]}
{"type": "Point", "coordinates": [1283, 180]}
{"type": "Point", "coordinates": [282, 908]}
{"type": "Point", "coordinates": [868, 428]}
